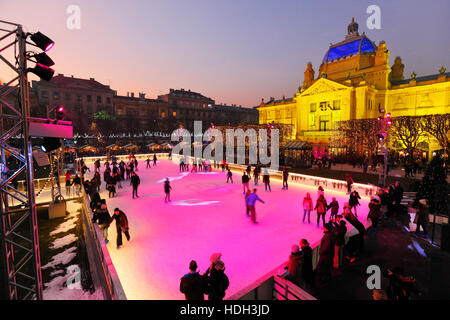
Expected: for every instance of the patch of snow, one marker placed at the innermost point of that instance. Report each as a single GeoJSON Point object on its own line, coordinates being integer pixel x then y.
{"type": "Point", "coordinates": [62, 258]}
{"type": "Point", "coordinates": [64, 241]}
{"type": "Point", "coordinates": [65, 226]}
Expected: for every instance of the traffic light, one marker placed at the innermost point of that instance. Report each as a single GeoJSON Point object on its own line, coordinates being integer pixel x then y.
{"type": "Point", "coordinates": [43, 61]}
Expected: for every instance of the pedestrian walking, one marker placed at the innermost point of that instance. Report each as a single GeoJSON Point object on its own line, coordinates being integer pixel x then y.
{"type": "Point", "coordinates": [422, 218]}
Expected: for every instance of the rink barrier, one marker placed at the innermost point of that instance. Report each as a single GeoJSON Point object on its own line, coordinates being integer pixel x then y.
{"type": "Point", "coordinates": [364, 190]}
{"type": "Point", "coordinates": [102, 269]}
{"type": "Point", "coordinates": [273, 286]}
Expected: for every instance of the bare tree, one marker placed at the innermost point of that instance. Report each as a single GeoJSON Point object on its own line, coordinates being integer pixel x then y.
{"type": "Point", "coordinates": [438, 125]}
{"type": "Point", "coordinates": [407, 130]}
{"type": "Point", "coordinates": [360, 133]}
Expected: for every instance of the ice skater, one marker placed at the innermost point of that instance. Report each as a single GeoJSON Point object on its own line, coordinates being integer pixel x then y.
{"type": "Point", "coordinates": [102, 217]}
{"type": "Point", "coordinates": [148, 163]}
{"type": "Point", "coordinates": [167, 189]}
{"type": "Point", "coordinates": [229, 176]}
{"type": "Point", "coordinates": [354, 201]}
{"type": "Point", "coordinates": [250, 202]}
{"type": "Point", "coordinates": [321, 207]}
{"type": "Point", "coordinates": [285, 178]}
{"type": "Point", "coordinates": [121, 226]}
{"type": "Point", "coordinates": [245, 181]}
{"type": "Point", "coordinates": [135, 181]}
{"type": "Point", "coordinates": [266, 179]}
{"type": "Point", "coordinates": [154, 159]}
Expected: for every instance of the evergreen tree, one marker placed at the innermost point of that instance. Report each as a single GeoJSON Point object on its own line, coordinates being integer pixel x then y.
{"type": "Point", "coordinates": [434, 187]}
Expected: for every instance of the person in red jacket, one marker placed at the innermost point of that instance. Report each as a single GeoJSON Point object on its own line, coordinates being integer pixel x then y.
{"type": "Point", "coordinates": [121, 225]}
{"type": "Point", "coordinates": [307, 207]}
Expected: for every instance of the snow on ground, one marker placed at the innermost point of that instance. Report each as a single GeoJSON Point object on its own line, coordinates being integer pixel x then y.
{"type": "Point", "coordinates": [206, 215]}
{"type": "Point", "coordinates": [63, 288]}
{"type": "Point", "coordinates": [62, 258]}
{"type": "Point", "coordinates": [62, 273]}
{"type": "Point", "coordinates": [64, 241]}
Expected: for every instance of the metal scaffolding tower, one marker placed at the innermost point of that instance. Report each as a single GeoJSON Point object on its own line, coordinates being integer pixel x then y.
{"type": "Point", "coordinates": [19, 230]}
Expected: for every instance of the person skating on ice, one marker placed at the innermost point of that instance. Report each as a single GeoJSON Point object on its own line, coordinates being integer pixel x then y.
{"type": "Point", "coordinates": [250, 202]}
{"type": "Point", "coordinates": [266, 179]}
{"type": "Point", "coordinates": [285, 178]}
{"type": "Point", "coordinates": [167, 189]}
{"type": "Point", "coordinates": [135, 181]}
{"type": "Point", "coordinates": [121, 226]}
{"type": "Point", "coordinates": [229, 176]}
{"type": "Point", "coordinates": [154, 159]}
{"type": "Point", "coordinates": [148, 163]}
{"type": "Point", "coordinates": [245, 181]}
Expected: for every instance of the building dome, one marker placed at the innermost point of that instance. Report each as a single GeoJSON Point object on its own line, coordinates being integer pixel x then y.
{"type": "Point", "coordinates": [357, 45]}
{"type": "Point", "coordinates": [352, 45]}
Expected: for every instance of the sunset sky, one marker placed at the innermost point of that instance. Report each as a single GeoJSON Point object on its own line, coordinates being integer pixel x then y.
{"type": "Point", "coordinates": [234, 51]}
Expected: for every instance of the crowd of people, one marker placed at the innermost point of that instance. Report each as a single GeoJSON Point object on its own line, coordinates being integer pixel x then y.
{"type": "Point", "coordinates": [337, 247]}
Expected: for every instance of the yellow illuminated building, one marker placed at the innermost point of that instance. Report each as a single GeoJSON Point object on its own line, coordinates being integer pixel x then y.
{"type": "Point", "coordinates": [355, 81]}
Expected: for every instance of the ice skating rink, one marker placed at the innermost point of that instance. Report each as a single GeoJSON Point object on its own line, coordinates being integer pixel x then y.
{"type": "Point", "coordinates": [206, 215]}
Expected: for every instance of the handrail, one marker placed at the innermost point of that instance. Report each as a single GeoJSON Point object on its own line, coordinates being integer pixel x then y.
{"type": "Point", "coordinates": [100, 261]}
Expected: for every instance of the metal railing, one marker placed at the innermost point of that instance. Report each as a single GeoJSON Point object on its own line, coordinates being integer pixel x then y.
{"type": "Point", "coordinates": [102, 269]}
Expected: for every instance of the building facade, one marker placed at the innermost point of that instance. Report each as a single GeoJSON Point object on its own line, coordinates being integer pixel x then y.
{"type": "Point", "coordinates": [81, 98]}
{"type": "Point", "coordinates": [96, 108]}
{"type": "Point", "coordinates": [355, 81]}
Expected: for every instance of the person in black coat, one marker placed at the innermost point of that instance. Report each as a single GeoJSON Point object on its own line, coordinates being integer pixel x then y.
{"type": "Point", "coordinates": [217, 280]}
{"type": "Point", "coordinates": [326, 254]}
{"type": "Point", "coordinates": [135, 181]}
{"type": "Point", "coordinates": [353, 220]}
{"type": "Point", "coordinates": [306, 257]}
{"type": "Point", "coordinates": [339, 229]}
{"type": "Point", "coordinates": [354, 200]}
{"type": "Point", "coordinates": [192, 284]}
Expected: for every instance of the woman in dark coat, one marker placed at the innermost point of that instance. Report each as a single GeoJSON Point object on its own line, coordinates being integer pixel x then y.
{"type": "Point", "coordinates": [306, 256]}
{"type": "Point", "coordinates": [374, 213]}
{"type": "Point", "coordinates": [217, 279]}
{"type": "Point", "coordinates": [326, 255]}
{"type": "Point", "coordinates": [354, 200]}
